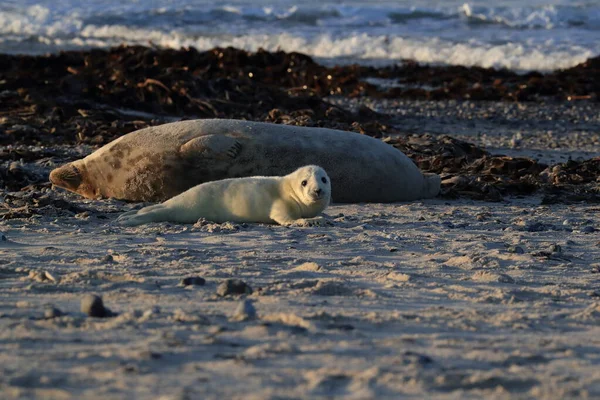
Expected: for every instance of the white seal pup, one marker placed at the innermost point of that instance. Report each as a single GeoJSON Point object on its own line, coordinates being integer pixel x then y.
{"type": "Point", "coordinates": [285, 200]}
{"type": "Point", "coordinates": [157, 163]}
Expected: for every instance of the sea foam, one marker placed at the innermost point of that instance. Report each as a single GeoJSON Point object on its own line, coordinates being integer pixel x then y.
{"type": "Point", "coordinates": [500, 34]}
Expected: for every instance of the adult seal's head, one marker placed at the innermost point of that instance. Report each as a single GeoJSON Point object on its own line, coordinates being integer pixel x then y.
{"type": "Point", "coordinates": [73, 177]}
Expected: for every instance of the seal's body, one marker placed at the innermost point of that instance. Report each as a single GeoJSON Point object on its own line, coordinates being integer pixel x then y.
{"type": "Point", "coordinates": [305, 193]}
{"type": "Point", "coordinates": [157, 163]}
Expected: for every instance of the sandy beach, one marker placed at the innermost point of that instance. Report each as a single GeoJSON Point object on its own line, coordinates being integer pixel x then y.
{"type": "Point", "coordinates": [439, 299]}
{"type": "Point", "coordinates": [447, 298]}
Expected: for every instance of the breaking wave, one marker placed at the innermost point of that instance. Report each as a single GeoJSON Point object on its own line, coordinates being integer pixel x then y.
{"type": "Point", "coordinates": [525, 37]}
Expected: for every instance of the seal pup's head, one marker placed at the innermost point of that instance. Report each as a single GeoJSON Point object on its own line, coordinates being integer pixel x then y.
{"type": "Point", "coordinates": [72, 177]}
{"type": "Point", "coordinates": [312, 186]}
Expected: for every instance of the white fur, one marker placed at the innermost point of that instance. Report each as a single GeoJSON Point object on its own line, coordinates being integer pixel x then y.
{"type": "Point", "coordinates": [283, 200]}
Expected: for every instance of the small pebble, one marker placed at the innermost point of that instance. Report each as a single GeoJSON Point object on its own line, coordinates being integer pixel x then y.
{"type": "Point", "coordinates": [52, 312]}
{"type": "Point", "coordinates": [193, 280]}
{"type": "Point", "coordinates": [341, 327]}
{"type": "Point", "coordinates": [515, 249]}
{"type": "Point", "coordinates": [2, 237]}
{"type": "Point", "coordinates": [487, 276]}
{"type": "Point", "coordinates": [14, 167]}
{"type": "Point", "coordinates": [233, 286]}
{"type": "Point", "coordinates": [83, 215]}
{"type": "Point", "coordinates": [538, 227]}
{"type": "Point", "coordinates": [244, 311]}
{"type": "Point", "coordinates": [418, 358]}
{"type": "Point", "coordinates": [555, 248]}
{"type": "Point", "coordinates": [93, 306]}
{"type": "Point", "coordinates": [588, 229]}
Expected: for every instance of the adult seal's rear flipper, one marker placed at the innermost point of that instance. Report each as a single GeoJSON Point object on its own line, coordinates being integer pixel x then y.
{"type": "Point", "coordinates": [432, 184]}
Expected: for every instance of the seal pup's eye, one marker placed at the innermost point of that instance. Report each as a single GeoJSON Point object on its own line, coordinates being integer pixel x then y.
{"type": "Point", "coordinates": [324, 180]}
{"type": "Point", "coordinates": [304, 183]}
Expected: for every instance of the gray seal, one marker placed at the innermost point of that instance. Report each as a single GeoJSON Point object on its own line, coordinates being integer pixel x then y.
{"type": "Point", "coordinates": [160, 162]}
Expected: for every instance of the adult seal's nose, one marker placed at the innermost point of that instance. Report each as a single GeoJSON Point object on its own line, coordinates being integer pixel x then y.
{"type": "Point", "coordinates": [318, 191]}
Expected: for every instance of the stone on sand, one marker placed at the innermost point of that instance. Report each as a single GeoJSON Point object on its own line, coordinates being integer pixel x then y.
{"type": "Point", "coordinates": [233, 286]}
{"type": "Point", "coordinates": [193, 280]}
{"type": "Point", "coordinates": [93, 306]}
{"type": "Point", "coordinates": [52, 312]}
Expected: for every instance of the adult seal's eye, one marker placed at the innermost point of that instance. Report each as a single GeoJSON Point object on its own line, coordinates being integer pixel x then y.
{"type": "Point", "coordinates": [304, 183]}
{"type": "Point", "coordinates": [324, 180]}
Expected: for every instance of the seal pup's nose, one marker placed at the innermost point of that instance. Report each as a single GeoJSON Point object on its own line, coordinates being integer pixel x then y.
{"type": "Point", "coordinates": [318, 191]}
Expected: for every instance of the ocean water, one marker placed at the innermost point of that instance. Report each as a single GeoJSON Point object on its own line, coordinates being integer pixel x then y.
{"type": "Point", "coordinates": [520, 35]}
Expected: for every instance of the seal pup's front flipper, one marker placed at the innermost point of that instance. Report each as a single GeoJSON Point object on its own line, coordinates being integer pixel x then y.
{"type": "Point", "coordinates": [155, 213]}
{"type": "Point", "coordinates": [217, 146]}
